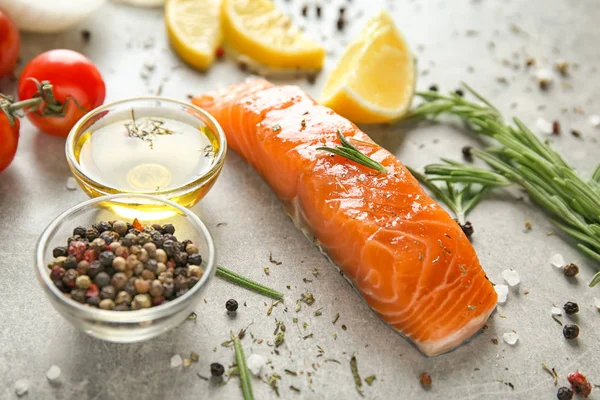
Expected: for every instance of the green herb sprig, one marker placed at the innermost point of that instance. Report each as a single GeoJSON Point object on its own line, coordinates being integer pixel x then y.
{"type": "Point", "coordinates": [246, 283]}
{"type": "Point", "coordinates": [519, 157]}
{"type": "Point", "coordinates": [350, 152]}
{"type": "Point", "coordinates": [245, 376]}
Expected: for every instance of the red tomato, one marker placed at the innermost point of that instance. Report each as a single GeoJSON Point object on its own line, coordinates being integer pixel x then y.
{"type": "Point", "coordinates": [10, 44]}
{"type": "Point", "coordinates": [72, 75]}
{"type": "Point", "coordinates": [9, 138]}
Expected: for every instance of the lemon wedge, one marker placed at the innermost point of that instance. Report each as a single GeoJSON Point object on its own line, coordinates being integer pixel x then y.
{"type": "Point", "coordinates": [374, 81]}
{"type": "Point", "coordinates": [259, 30]}
{"type": "Point", "coordinates": [194, 30]}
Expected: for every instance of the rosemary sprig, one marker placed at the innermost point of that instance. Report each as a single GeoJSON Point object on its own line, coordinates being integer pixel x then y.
{"type": "Point", "coordinates": [523, 159]}
{"type": "Point", "coordinates": [350, 152]}
{"type": "Point", "coordinates": [245, 376]}
{"type": "Point", "coordinates": [249, 284]}
{"type": "Point", "coordinates": [461, 199]}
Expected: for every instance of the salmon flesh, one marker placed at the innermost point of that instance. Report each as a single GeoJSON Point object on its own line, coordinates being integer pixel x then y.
{"type": "Point", "coordinates": [407, 257]}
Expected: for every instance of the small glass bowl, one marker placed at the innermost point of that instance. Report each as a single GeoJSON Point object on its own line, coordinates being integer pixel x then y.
{"type": "Point", "coordinates": [124, 326]}
{"type": "Point", "coordinates": [186, 195]}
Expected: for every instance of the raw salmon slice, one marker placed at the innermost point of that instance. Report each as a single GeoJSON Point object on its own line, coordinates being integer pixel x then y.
{"type": "Point", "coordinates": [406, 256]}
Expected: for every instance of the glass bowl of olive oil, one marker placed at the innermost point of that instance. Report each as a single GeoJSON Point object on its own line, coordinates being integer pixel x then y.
{"type": "Point", "coordinates": [147, 145]}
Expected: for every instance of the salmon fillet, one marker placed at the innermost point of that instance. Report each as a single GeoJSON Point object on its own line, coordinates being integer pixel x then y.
{"type": "Point", "coordinates": [406, 256]}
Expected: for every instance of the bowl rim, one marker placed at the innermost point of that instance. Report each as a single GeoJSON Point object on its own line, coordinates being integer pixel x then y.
{"type": "Point", "coordinates": [108, 190]}
{"type": "Point", "coordinates": [131, 316]}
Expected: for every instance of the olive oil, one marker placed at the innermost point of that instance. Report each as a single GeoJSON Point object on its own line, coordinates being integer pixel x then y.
{"type": "Point", "coordinates": [148, 155]}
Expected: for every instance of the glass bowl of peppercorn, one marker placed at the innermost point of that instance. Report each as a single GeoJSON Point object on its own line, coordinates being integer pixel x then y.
{"type": "Point", "coordinates": [125, 280]}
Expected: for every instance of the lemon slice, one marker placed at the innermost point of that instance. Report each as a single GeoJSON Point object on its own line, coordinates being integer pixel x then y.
{"type": "Point", "coordinates": [257, 29]}
{"type": "Point", "coordinates": [374, 81]}
{"type": "Point", "coordinates": [194, 30]}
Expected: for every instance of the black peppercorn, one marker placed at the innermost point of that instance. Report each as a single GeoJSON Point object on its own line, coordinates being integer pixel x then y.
{"type": "Point", "coordinates": [467, 228]}
{"type": "Point", "coordinates": [217, 369]}
{"type": "Point", "coordinates": [169, 247]}
{"type": "Point", "coordinates": [467, 153]}
{"type": "Point", "coordinates": [157, 238]}
{"type": "Point", "coordinates": [109, 236]}
{"type": "Point", "coordinates": [169, 236]}
{"type": "Point", "coordinates": [571, 308]}
{"type": "Point", "coordinates": [571, 270]}
{"type": "Point", "coordinates": [340, 23]}
{"type": "Point", "coordinates": [79, 231]}
{"type": "Point", "coordinates": [70, 262]}
{"type": "Point", "coordinates": [180, 271]}
{"type": "Point", "coordinates": [95, 268]}
{"type": "Point", "coordinates": [304, 10]}
{"type": "Point", "coordinates": [564, 393]}
{"type": "Point", "coordinates": [168, 228]}
{"type": "Point", "coordinates": [130, 287]}
{"type": "Point", "coordinates": [318, 8]}
{"type": "Point", "coordinates": [157, 227]}
{"type": "Point", "coordinates": [93, 301]}
{"type": "Point", "coordinates": [108, 292]}
{"type": "Point", "coordinates": [70, 277]}
{"type": "Point", "coordinates": [59, 251]}
{"type": "Point", "coordinates": [195, 259]}
{"type": "Point", "coordinates": [133, 231]}
{"type": "Point", "coordinates": [102, 226]}
{"type": "Point", "coordinates": [231, 305]}
{"type": "Point", "coordinates": [571, 331]}
{"type": "Point", "coordinates": [180, 282]}
{"type": "Point", "coordinates": [180, 257]}
{"type": "Point", "coordinates": [102, 279]}
{"type": "Point", "coordinates": [61, 286]}
{"type": "Point", "coordinates": [459, 92]}
{"type": "Point", "coordinates": [91, 234]}
{"type": "Point", "coordinates": [106, 258]}
{"type": "Point", "coordinates": [78, 295]}
{"type": "Point", "coordinates": [433, 88]}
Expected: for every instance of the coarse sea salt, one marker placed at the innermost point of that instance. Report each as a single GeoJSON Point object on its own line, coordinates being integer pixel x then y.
{"type": "Point", "coordinates": [255, 363]}
{"type": "Point", "coordinates": [511, 277]}
{"type": "Point", "coordinates": [594, 120]}
{"type": "Point", "coordinates": [21, 387]}
{"type": "Point", "coordinates": [176, 361]}
{"type": "Point", "coordinates": [510, 338]}
{"type": "Point", "coordinates": [557, 261]}
{"type": "Point", "coordinates": [71, 184]}
{"type": "Point", "coordinates": [543, 125]}
{"type": "Point", "coordinates": [556, 311]}
{"type": "Point", "coordinates": [53, 373]}
{"type": "Point", "coordinates": [502, 291]}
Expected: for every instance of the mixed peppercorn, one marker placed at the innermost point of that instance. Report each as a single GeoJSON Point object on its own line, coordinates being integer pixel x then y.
{"type": "Point", "coordinates": [119, 266]}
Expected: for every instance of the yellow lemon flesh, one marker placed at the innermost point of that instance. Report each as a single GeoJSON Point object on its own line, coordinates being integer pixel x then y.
{"type": "Point", "coordinates": [374, 81]}
{"type": "Point", "coordinates": [257, 29]}
{"type": "Point", "coordinates": [194, 30]}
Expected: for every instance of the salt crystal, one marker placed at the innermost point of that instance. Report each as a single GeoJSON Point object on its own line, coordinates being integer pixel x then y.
{"type": "Point", "coordinates": [597, 303]}
{"type": "Point", "coordinates": [510, 338]}
{"type": "Point", "coordinates": [544, 126]}
{"type": "Point", "coordinates": [594, 120]}
{"type": "Point", "coordinates": [176, 361]}
{"type": "Point", "coordinates": [21, 387]}
{"type": "Point", "coordinates": [255, 363]}
{"type": "Point", "coordinates": [53, 373]}
{"type": "Point", "coordinates": [511, 277]}
{"type": "Point", "coordinates": [502, 291]}
{"type": "Point", "coordinates": [556, 311]}
{"type": "Point", "coordinates": [71, 183]}
{"type": "Point", "coordinates": [557, 261]}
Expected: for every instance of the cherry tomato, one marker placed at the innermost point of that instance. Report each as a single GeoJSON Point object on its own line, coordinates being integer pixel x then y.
{"type": "Point", "coordinates": [73, 76]}
{"type": "Point", "coordinates": [10, 44]}
{"type": "Point", "coordinates": [9, 138]}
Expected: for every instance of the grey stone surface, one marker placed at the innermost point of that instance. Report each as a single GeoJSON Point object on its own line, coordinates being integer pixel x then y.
{"type": "Point", "coordinates": [475, 41]}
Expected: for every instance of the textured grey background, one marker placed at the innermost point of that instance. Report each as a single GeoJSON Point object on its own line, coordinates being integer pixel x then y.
{"type": "Point", "coordinates": [475, 41]}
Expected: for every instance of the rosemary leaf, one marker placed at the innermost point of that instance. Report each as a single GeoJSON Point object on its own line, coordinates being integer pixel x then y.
{"type": "Point", "coordinates": [245, 376]}
{"type": "Point", "coordinates": [244, 282]}
{"type": "Point", "coordinates": [347, 150]}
